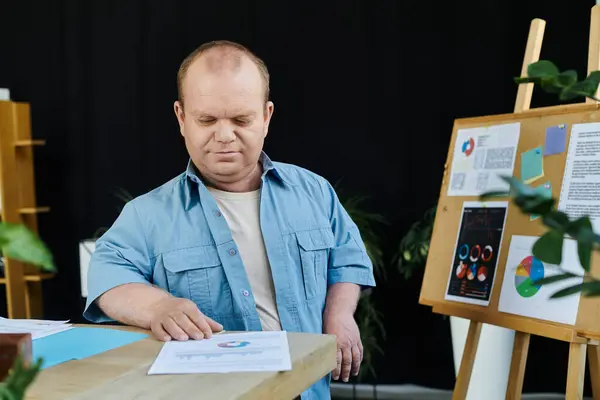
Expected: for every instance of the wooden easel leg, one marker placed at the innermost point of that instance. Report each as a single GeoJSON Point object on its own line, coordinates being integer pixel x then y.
{"type": "Point", "coordinates": [517, 366]}
{"type": "Point", "coordinates": [576, 372]}
{"type": "Point", "coordinates": [594, 45]}
{"type": "Point", "coordinates": [466, 364]}
{"type": "Point", "coordinates": [594, 360]}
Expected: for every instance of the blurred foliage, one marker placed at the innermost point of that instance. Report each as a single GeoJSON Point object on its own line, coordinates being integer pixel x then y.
{"type": "Point", "coordinates": [368, 318]}
{"type": "Point", "coordinates": [414, 246]}
{"type": "Point", "coordinates": [19, 378]}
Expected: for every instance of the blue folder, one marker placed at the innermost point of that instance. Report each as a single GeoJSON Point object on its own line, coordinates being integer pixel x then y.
{"type": "Point", "coordinates": [78, 343]}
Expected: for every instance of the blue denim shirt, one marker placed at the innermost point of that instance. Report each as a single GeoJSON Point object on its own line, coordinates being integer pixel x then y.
{"type": "Point", "coordinates": [175, 237]}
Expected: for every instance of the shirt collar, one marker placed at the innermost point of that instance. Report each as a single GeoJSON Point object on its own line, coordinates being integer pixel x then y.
{"type": "Point", "coordinates": [269, 168]}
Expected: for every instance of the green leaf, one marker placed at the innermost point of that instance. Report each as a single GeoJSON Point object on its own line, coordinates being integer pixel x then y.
{"type": "Point", "coordinates": [493, 194]}
{"type": "Point", "coordinates": [526, 79]}
{"type": "Point", "coordinates": [537, 204]}
{"type": "Point", "coordinates": [587, 289]}
{"type": "Point", "coordinates": [19, 378]}
{"type": "Point", "coordinates": [591, 288]}
{"type": "Point", "coordinates": [555, 278]}
{"type": "Point", "coordinates": [556, 220]}
{"type": "Point", "coordinates": [570, 93]}
{"type": "Point", "coordinates": [581, 230]}
{"type": "Point", "coordinates": [567, 291]}
{"type": "Point", "coordinates": [551, 84]}
{"type": "Point", "coordinates": [20, 243]}
{"type": "Point", "coordinates": [594, 78]}
{"type": "Point", "coordinates": [519, 188]}
{"type": "Point", "coordinates": [567, 78]}
{"type": "Point", "coordinates": [548, 248]}
{"type": "Point", "coordinates": [542, 69]}
{"type": "Point", "coordinates": [583, 88]}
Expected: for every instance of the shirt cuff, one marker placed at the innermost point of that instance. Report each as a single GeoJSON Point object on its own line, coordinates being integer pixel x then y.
{"type": "Point", "coordinates": [351, 274]}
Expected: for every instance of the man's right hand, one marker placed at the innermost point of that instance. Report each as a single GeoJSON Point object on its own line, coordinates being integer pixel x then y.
{"type": "Point", "coordinates": [180, 319]}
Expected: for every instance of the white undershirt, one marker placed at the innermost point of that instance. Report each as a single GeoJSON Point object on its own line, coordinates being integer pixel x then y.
{"type": "Point", "coordinates": [242, 213]}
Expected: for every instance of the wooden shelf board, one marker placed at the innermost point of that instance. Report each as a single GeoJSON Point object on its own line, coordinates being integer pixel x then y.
{"type": "Point", "coordinates": [33, 210]}
{"type": "Point", "coordinates": [30, 142]}
{"type": "Point", "coordinates": [33, 277]}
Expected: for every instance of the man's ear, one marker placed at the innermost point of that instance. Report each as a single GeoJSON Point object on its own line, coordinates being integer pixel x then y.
{"type": "Point", "coordinates": [178, 108]}
{"type": "Point", "coordinates": [269, 109]}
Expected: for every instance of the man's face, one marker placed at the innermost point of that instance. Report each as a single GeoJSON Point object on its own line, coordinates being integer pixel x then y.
{"type": "Point", "coordinates": [224, 119]}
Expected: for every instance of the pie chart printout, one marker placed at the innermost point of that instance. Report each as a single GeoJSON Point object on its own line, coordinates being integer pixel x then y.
{"type": "Point", "coordinates": [529, 270]}
{"type": "Point", "coordinates": [521, 295]}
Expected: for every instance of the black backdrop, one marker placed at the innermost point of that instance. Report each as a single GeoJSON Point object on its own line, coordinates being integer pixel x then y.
{"type": "Point", "coordinates": [363, 90]}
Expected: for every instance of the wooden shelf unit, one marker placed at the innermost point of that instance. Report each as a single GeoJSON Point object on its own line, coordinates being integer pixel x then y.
{"type": "Point", "coordinates": [18, 206]}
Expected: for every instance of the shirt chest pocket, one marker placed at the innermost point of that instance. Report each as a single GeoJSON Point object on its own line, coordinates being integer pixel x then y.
{"type": "Point", "coordinates": [314, 246]}
{"type": "Point", "coordinates": [196, 273]}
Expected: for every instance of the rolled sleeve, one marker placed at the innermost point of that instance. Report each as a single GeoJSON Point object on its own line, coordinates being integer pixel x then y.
{"type": "Point", "coordinates": [348, 260]}
{"type": "Point", "coordinates": [121, 257]}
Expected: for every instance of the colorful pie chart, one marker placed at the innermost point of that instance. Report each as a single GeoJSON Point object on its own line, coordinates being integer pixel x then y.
{"type": "Point", "coordinates": [482, 274]}
{"type": "Point", "coordinates": [472, 272]}
{"type": "Point", "coordinates": [461, 270]}
{"type": "Point", "coordinates": [233, 343]}
{"type": "Point", "coordinates": [468, 146]}
{"type": "Point", "coordinates": [530, 269]}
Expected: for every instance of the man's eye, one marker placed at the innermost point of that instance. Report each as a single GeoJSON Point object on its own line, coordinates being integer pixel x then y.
{"type": "Point", "coordinates": [206, 121]}
{"type": "Point", "coordinates": [242, 121]}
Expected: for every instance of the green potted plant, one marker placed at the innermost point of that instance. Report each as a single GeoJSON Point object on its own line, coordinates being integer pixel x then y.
{"type": "Point", "coordinates": [414, 246]}
{"type": "Point", "coordinates": [20, 243]}
{"type": "Point", "coordinates": [88, 246]}
{"type": "Point", "coordinates": [368, 318]}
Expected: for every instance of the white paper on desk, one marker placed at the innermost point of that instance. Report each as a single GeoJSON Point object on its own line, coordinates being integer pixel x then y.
{"type": "Point", "coordinates": [580, 191]}
{"type": "Point", "coordinates": [232, 352]}
{"type": "Point", "coordinates": [37, 328]}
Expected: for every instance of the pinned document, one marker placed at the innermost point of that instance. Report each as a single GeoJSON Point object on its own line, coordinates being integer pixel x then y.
{"type": "Point", "coordinates": [532, 165]}
{"type": "Point", "coordinates": [581, 180]}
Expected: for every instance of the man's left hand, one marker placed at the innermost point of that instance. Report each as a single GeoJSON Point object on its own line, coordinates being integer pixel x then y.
{"type": "Point", "coordinates": [349, 346]}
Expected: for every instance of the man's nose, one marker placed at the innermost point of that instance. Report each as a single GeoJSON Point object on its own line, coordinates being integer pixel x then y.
{"type": "Point", "coordinates": [224, 133]}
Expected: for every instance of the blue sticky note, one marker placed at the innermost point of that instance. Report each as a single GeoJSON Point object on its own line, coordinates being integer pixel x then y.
{"type": "Point", "coordinates": [556, 140]}
{"type": "Point", "coordinates": [532, 165]}
{"type": "Point", "coordinates": [78, 343]}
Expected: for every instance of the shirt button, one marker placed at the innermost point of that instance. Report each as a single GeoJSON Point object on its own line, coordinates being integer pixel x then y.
{"type": "Point", "coordinates": [232, 252]}
{"type": "Point", "coordinates": [217, 214]}
{"type": "Point", "coordinates": [245, 292]}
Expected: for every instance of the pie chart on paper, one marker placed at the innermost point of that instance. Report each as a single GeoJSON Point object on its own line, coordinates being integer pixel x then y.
{"type": "Point", "coordinates": [530, 269]}
{"type": "Point", "coordinates": [472, 272]}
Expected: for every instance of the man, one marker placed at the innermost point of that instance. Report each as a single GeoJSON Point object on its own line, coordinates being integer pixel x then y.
{"type": "Point", "coordinates": [237, 242]}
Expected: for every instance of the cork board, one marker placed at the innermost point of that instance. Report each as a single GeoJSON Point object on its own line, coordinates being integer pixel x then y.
{"type": "Point", "coordinates": [533, 125]}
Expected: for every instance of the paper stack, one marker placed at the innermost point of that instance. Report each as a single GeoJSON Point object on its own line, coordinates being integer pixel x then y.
{"type": "Point", "coordinates": [37, 327]}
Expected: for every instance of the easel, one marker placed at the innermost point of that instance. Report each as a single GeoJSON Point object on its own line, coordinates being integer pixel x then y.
{"type": "Point", "coordinates": [581, 341]}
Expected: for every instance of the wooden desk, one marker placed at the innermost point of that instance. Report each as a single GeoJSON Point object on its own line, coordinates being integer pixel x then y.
{"type": "Point", "coordinates": [121, 374]}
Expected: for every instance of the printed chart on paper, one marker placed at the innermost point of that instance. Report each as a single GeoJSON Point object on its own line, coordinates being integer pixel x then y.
{"type": "Point", "coordinates": [481, 156]}
{"type": "Point", "coordinates": [476, 253]}
{"type": "Point", "coordinates": [232, 352]}
{"type": "Point", "coordinates": [520, 295]}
